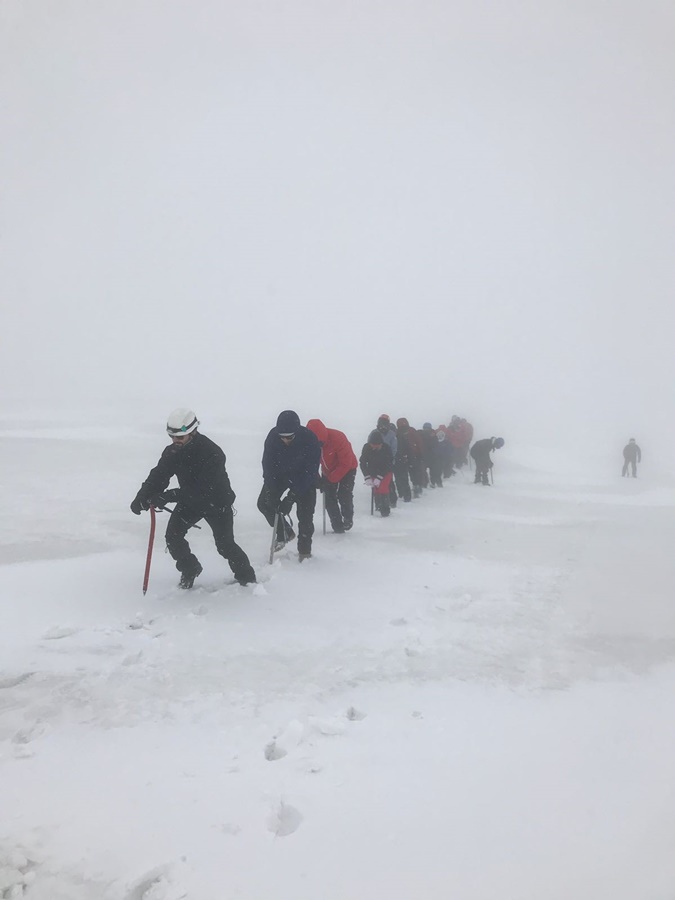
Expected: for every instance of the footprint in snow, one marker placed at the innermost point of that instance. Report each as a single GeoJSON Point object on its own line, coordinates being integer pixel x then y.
{"type": "Point", "coordinates": [328, 727]}
{"type": "Point", "coordinates": [10, 681]}
{"type": "Point", "coordinates": [17, 873]}
{"type": "Point", "coordinates": [273, 752]}
{"type": "Point", "coordinates": [288, 740]}
{"type": "Point", "coordinates": [29, 734]}
{"type": "Point", "coordinates": [58, 632]}
{"type": "Point", "coordinates": [284, 820]}
{"type": "Point", "coordinates": [155, 885]}
{"type": "Point", "coordinates": [354, 714]}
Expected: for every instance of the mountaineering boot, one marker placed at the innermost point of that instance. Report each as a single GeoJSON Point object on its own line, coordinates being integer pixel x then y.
{"type": "Point", "coordinates": [348, 524]}
{"type": "Point", "coordinates": [288, 535]}
{"type": "Point", "coordinates": [246, 579]}
{"type": "Point", "coordinates": [187, 578]}
{"type": "Point", "coordinates": [303, 556]}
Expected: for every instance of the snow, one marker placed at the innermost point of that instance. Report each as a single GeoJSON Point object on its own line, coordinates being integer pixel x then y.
{"type": "Point", "coordinates": [471, 699]}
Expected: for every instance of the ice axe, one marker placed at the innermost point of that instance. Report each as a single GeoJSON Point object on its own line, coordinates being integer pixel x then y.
{"type": "Point", "coordinates": [274, 536]}
{"type": "Point", "coordinates": [148, 559]}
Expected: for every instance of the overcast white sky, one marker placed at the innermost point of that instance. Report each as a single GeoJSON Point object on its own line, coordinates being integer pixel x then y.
{"type": "Point", "coordinates": [419, 207]}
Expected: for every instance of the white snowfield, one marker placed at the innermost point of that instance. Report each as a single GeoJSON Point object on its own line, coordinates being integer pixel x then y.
{"type": "Point", "coordinates": [470, 700]}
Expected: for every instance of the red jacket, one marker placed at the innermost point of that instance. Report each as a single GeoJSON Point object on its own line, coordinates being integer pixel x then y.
{"type": "Point", "coordinates": [456, 435]}
{"type": "Point", "coordinates": [409, 444]}
{"type": "Point", "coordinates": [337, 456]}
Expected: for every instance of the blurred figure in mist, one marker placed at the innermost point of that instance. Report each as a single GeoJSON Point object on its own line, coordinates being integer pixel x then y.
{"type": "Point", "coordinates": [432, 461]}
{"type": "Point", "coordinates": [377, 465]}
{"type": "Point", "coordinates": [388, 431]}
{"type": "Point", "coordinates": [632, 455]}
{"type": "Point", "coordinates": [480, 453]}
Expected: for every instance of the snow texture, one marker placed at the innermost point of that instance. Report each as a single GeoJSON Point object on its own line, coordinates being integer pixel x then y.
{"type": "Point", "coordinates": [472, 698]}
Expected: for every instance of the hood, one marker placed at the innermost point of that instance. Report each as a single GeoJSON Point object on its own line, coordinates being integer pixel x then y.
{"type": "Point", "coordinates": [288, 422]}
{"type": "Point", "coordinates": [402, 423]}
{"type": "Point", "coordinates": [319, 429]}
{"type": "Point", "coordinates": [375, 437]}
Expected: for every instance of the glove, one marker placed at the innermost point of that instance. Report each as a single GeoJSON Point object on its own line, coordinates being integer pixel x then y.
{"type": "Point", "coordinates": [139, 503]}
{"type": "Point", "coordinates": [170, 496]}
{"type": "Point", "coordinates": [286, 504]}
{"type": "Point", "coordinates": [322, 483]}
{"type": "Point", "coordinates": [368, 482]}
{"type": "Point", "coordinates": [377, 482]}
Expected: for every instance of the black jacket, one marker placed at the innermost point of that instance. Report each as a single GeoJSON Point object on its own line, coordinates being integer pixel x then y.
{"type": "Point", "coordinates": [481, 449]}
{"type": "Point", "coordinates": [632, 453]}
{"type": "Point", "coordinates": [199, 467]}
{"type": "Point", "coordinates": [376, 463]}
{"type": "Point", "coordinates": [431, 449]}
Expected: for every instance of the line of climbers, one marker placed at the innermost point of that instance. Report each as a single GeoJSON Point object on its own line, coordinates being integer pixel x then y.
{"type": "Point", "coordinates": [397, 462]}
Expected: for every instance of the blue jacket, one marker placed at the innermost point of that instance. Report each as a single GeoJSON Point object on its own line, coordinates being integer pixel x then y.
{"type": "Point", "coordinates": [294, 465]}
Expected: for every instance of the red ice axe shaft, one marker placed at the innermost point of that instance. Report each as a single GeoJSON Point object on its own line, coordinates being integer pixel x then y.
{"type": "Point", "coordinates": [151, 542]}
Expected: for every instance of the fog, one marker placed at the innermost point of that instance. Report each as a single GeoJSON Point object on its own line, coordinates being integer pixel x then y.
{"type": "Point", "coordinates": [419, 207]}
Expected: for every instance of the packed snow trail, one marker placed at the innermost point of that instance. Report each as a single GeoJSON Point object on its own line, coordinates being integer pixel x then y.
{"type": "Point", "coordinates": [470, 697]}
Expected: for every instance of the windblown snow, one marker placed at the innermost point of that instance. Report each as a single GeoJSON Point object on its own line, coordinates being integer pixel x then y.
{"type": "Point", "coordinates": [471, 699]}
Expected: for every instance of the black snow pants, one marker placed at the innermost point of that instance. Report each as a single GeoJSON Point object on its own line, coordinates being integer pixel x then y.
{"type": "Point", "coordinates": [483, 466]}
{"type": "Point", "coordinates": [401, 474]}
{"type": "Point", "coordinates": [340, 501]}
{"type": "Point", "coordinates": [305, 504]}
{"type": "Point", "coordinates": [221, 523]}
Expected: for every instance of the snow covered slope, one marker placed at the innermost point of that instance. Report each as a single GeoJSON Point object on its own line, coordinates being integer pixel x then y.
{"type": "Point", "coordinates": [470, 699]}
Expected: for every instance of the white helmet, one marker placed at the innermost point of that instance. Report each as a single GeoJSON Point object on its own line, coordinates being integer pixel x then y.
{"type": "Point", "coordinates": [181, 421]}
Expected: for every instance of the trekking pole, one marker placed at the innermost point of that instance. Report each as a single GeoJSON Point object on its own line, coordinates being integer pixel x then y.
{"type": "Point", "coordinates": [151, 542]}
{"type": "Point", "coordinates": [323, 494]}
{"type": "Point", "coordinates": [372, 501]}
{"type": "Point", "coordinates": [492, 477]}
{"type": "Point", "coordinates": [274, 536]}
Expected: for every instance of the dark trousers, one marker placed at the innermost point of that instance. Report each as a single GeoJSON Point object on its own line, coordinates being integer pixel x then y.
{"type": "Point", "coordinates": [483, 467]}
{"type": "Point", "coordinates": [305, 504]}
{"type": "Point", "coordinates": [221, 523]}
{"type": "Point", "coordinates": [402, 479]}
{"type": "Point", "coordinates": [436, 473]}
{"type": "Point", "coordinates": [418, 474]}
{"type": "Point", "coordinates": [450, 461]}
{"type": "Point", "coordinates": [632, 464]}
{"type": "Point", "coordinates": [340, 501]}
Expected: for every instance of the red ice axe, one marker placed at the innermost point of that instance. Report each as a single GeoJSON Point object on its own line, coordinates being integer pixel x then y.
{"type": "Point", "coordinates": [151, 542]}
